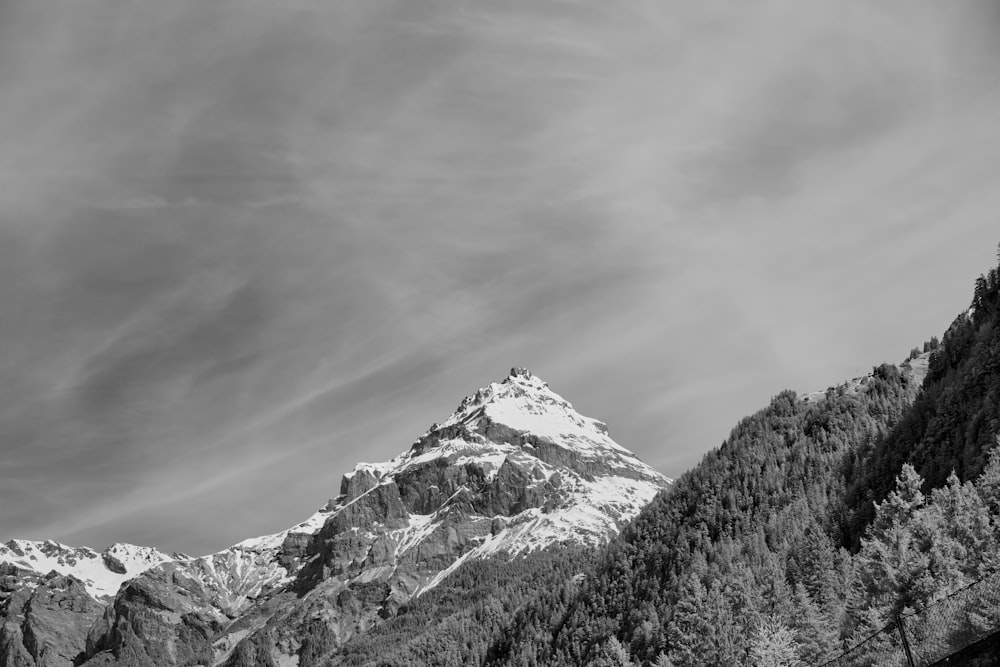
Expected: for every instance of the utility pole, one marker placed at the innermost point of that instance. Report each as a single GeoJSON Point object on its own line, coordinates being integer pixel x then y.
{"type": "Point", "coordinates": [906, 642]}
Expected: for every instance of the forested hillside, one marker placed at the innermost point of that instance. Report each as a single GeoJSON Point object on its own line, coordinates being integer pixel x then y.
{"type": "Point", "coordinates": [812, 524]}
{"type": "Point", "coordinates": [955, 419]}
{"type": "Point", "coordinates": [456, 623]}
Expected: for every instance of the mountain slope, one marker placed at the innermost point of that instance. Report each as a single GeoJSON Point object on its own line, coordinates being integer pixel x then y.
{"type": "Point", "coordinates": [707, 562]}
{"type": "Point", "coordinates": [790, 539]}
{"type": "Point", "coordinates": [512, 472]}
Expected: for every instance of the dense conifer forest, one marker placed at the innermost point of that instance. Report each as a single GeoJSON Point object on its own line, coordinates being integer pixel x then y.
{"type": "Point", "coordinates": [457, 623]}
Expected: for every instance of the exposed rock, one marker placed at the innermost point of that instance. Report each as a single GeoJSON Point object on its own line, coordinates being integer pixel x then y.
{"type": "Point", "coordinates": [162, 617]}
{"type": "Point", "coordinates": [357, 483]}
{"type": "Point", "coordinates": [112, 563]}
{"type": "Point", "coordinates": [45, 624]}
{"type": "Point", "coordinates": [293, 549]}
{"type": "Point", "coordinates": [381, 505]}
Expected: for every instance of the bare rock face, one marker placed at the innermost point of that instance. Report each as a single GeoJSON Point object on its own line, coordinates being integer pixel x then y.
{"type": "Point", "coordinates": [357, 484]}
{"type": "Point", "coordinates": [512, 470]}
{"type": "Point", "coordinates": [112, 563]}
{"type": "Point", "coordinates": [162, 617]}
{"type": "Point", "coordinates": [44, 621]}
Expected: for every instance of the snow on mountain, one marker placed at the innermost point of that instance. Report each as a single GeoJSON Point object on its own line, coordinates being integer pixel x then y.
{"type": "Point", "coordinates": [481, 428]}
{"type": "Point", "coordinates": [525, 403]}
{"type": "Point", "coordinates": [513, 470]}
{"type": "Point", "coordinates": [102, 573]}
{"type": "Point", "coordinates": [274, 541]}
{"type": "Point", "coordinates": [574, 484]}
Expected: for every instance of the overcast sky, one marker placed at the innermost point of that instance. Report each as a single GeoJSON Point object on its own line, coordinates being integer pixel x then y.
{"type": "Point", "coordinates": [245, 244]}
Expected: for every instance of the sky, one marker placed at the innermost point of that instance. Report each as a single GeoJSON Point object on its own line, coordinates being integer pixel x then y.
{"type": "Point", "coordinates": [245, 245]}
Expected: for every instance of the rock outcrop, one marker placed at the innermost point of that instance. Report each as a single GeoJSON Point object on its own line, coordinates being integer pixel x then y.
{"type": "Point", "coordinates": [45, 620]}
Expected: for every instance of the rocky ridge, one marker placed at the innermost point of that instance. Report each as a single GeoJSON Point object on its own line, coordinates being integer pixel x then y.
{"type": "Point", "coordinates": [915, 367]}
{"type": "Point", "coordinates": [512, 470]}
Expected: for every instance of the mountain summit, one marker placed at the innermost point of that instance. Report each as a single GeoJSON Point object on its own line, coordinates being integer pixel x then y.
{"type": "Point", "coordinates": [513, 470]}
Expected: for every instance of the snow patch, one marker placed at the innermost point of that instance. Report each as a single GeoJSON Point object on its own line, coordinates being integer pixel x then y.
{"type": "Point", "coordinates": [83, 563]}
{"type": "Point", "coordinates": [274, 541]}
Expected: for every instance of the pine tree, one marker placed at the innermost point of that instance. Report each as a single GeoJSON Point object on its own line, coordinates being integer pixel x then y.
{"type": "Point", "coordinates": [617, 655]}
{"type": "Point", "coordinates": [663, 661]}
{"type": "Point", "coordinates": [703, 629]}
{"type": "Point", "coordinates": [893, 559]}
{"type": "Point", "coordinates": [773, 645]}
{"type": "Point", "coordinates": [902, 503]}
{"type": "Point", "coordinates": [815, 634]}
{"type": "Point", "coordinates": [988, 483]}
{"type": "Point", "coordinates": [812, 563]}
{"type": "Point", "coordinates": [967, 534]}
{"type": "Point", "coordinates": [690, 624]}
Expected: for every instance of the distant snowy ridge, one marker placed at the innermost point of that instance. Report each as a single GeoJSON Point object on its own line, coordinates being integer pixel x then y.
{"type": "Point", "coordinates": [235, 574]}
{"type": "Point", "coordinates": [102, 573]}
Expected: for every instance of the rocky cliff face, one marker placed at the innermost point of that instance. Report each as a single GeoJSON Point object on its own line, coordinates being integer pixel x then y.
{"type": "Point", "coordinates": [51, 595]}
{"type": "Point", "coordinates": [513, 469]}
{"type": "Point", "coordinates": [45, 619]}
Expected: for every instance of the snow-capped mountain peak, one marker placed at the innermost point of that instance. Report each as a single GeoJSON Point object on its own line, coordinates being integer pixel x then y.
{"type": "Point", "coordinates": [513, 470]}
{"type": "Point", "coordinates": [523, 402]}
{"type": "Point", "coordinates": [580, 485]}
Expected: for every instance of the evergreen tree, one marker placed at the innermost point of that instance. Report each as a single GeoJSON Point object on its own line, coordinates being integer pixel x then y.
{"type": "Point", "coordinates": [663, 661]}
{"type": "Point", "coordinates": [815, 634]}
{"type": "Point", "coordinates": [703, 629]}
{"type": "Point", "coordinates": [894, 558]}
{"type": "Point", "coordinates": [612, 654]}
{"type": "Point", "coordinates": [773, 645]}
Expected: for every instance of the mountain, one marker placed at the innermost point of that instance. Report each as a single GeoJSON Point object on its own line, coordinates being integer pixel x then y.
{"type": "Point", "coordinates": [513, 473]}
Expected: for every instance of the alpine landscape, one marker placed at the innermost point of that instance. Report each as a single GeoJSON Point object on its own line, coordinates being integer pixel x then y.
{"type": "Point", "coordinates": [518, 532]}
{"type": "Point", "coordinates": [264, 266]}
